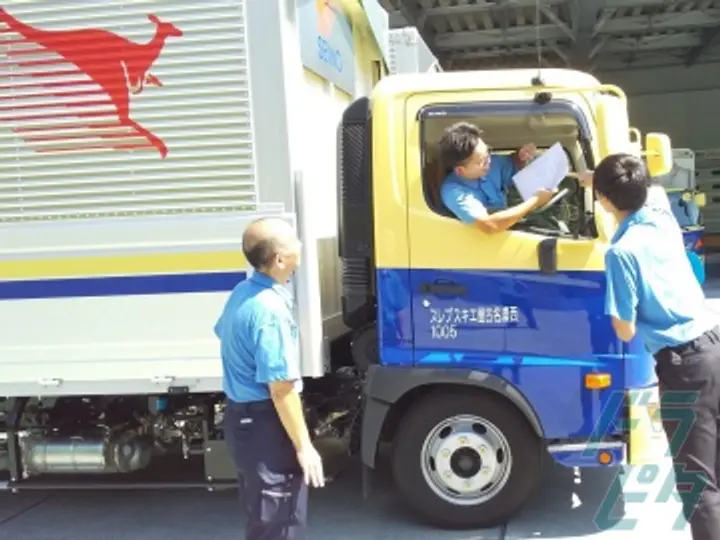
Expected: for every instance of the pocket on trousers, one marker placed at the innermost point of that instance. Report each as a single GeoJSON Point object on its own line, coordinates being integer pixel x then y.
{"type": "Point", "coordinates": [280, 500]}
{"type": "Point", "coordinates": [691, 371]}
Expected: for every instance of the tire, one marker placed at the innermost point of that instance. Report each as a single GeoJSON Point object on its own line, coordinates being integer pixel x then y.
{"type": "Point", "coordinates": [513, 479]}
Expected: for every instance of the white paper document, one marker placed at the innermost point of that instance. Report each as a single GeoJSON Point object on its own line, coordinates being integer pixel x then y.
{"type": "Point", "coordinates": [545, 172]}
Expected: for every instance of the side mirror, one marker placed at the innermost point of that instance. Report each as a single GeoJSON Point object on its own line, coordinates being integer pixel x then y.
{"type": "Point", "coordinates": [658, 153]}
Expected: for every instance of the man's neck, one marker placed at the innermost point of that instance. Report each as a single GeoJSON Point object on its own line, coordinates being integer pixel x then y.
{"type": "Point", "coordinates": [620, 216]}
{"type": "Point", "coordinates": [276, 274]}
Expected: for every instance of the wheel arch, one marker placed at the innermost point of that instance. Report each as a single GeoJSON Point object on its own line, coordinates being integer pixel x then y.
{"type": "Point", "coordinates": [390, 393]}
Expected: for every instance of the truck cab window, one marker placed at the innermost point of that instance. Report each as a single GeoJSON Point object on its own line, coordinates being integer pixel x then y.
{"type": "Point", "coordinates": [504, 135]}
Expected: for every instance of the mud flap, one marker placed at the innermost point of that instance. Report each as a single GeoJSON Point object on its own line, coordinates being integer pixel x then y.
{"type": "Point", "coordinates": [647, 443]}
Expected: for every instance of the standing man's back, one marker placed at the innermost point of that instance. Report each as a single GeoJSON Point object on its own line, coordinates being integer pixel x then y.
{"type": "Point", "coordinates": [652, 292]}
{"type": "Point", "coordinates": [264, 423]}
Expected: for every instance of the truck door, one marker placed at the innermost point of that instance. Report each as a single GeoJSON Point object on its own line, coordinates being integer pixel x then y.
{"type": "Point", "coordinates": [483, 302]}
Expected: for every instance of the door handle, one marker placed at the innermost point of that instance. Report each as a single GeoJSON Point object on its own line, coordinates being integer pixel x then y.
{"type": "Point", "coordinates": [446, 288]}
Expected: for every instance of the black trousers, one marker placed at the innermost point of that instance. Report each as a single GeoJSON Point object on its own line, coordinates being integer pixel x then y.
{"type": "Point", "coordinates": [689, 381]}
{"type": "Point", "coordinates": [271, 482]}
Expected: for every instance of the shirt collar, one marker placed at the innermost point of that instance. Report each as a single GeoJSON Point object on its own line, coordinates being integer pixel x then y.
{"type": "Point", "coordinates": [644, 215]}
{"type": "Point", "coordinates": [266, 281]}
{"type": "Point", "coordinates": [465, 181]}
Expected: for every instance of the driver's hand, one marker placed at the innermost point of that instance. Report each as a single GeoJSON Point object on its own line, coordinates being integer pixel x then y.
{"type": "Point", "coordinates": [543, 196]}
{"type": "Point", "coordinates": [585, 178]}
{"type": "Point", "coordinates": [526, 153]}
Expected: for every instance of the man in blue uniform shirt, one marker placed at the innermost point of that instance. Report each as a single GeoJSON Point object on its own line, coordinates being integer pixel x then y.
{"type": "Point", "coordinates": [652, 292]}
{"type": "Point", "coordinates": [475, 188]}
{"type": "Point", "coordinates": [265, 425]}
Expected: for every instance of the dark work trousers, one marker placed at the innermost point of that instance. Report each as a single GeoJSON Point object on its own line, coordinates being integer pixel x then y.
{"type": "Point", "coordinates": [689, 382]}
{"type": "Point", "coordinates": [271, 482]}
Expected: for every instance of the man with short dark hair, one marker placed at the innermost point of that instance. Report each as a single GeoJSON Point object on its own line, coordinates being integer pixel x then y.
{"type": "Point", "coordinates": [477, 181]}
{"type": "Point", "coordinates": [652, 292]}
{"type": "Point", "coordinates": [264, 423]}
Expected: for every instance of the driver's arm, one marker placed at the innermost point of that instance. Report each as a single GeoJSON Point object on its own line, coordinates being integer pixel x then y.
{"type": "Point", "coordinates": [504, 219]}
{"type": "Point", "coordinates": [469, 209]}
{"type": "Point", "coordinates": [584, 178]}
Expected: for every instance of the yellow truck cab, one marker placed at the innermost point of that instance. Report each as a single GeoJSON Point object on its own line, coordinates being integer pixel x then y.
{"type": "Point", "coordinates": [482, 351]}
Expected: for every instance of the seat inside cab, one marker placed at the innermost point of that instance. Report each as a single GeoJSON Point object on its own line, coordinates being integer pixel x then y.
{"type": "Point", "coordinates": [572, 216]}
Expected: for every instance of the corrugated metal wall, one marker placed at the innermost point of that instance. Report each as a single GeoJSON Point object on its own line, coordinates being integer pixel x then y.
{"type": "Point", "coordinates": [76, 142]}
{"type": "Point", "coordinates": [681, 102]}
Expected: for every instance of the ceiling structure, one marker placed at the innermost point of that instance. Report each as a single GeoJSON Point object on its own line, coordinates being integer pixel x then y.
{"type": "Point", "coordinates": [584, 34]}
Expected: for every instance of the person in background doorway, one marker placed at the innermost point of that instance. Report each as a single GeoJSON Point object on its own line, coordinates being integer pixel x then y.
{"type": "Point", "coordinates": [264, 423]}
{"type": "Point", "coordinates": [476, 181]}
{"type": "Point", "coordinates": [652, 293]}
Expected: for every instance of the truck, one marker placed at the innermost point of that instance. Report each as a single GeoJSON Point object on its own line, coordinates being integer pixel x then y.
{"type": "Point", "coordinates": [121, 211]}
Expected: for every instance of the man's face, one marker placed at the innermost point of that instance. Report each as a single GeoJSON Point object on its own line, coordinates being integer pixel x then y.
{"type": "Point", "coordinates": [288, 258]}
{"type": "Point", "coordinates": [477, 165]}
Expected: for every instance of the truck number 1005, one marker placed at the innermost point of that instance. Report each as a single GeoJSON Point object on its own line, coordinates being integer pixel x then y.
{"type": "Point", "coordinates": [443, 331]}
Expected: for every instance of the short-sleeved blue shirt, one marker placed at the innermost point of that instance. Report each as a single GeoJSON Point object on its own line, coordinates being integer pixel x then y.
{"type": "Point", "coordinates": [650, 281]}
{"type": "Point", "coordinates": [258, 339]}
{"type": "Point", "coordinates": [470, 200]}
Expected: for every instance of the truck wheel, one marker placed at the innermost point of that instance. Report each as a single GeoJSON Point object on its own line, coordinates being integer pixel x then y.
{"type": "Point", "coordinates": [466, 459]}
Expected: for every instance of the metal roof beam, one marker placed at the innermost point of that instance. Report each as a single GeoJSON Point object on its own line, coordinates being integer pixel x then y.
{"type": "Point", "coordinates": [585, 16]}
{"type": "Point", "coordinates": [587, 36]}
{"type": "Point", "coordinates": [665, 21]}
{"type": "Point", "coordinates": [498, 37]}
{"type": "Point", "coordinates": [653, 43]}
{"type": "Point", "coordinates": [617, 4]}
{"type": "Point", "coordinates": [397, 20]}
{"type": "Point", "coordinates": [639, 45]}
{"type": "Point", "coordinates": [708, 40]}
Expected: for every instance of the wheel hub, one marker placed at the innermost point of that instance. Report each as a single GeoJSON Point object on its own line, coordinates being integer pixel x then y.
{"type": "Point", "coordinates": [466, 460]}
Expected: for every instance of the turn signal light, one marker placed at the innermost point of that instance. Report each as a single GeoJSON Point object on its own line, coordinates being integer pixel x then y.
{"type": "Point", "coordinates": [598, 381]}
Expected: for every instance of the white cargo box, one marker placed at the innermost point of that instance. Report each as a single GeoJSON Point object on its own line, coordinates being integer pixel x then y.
{"type": "Point", "coordinates": [137, 140]}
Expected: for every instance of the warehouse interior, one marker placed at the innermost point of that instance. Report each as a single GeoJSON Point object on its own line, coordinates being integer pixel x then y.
{"type": "Point", "coordinates": [665, 54]}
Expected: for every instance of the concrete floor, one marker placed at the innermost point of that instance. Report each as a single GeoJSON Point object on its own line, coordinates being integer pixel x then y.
{"type": "Point", "coordinates": [567, 505]}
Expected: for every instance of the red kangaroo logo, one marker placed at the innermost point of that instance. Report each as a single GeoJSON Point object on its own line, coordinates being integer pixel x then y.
{"type": "Point", "coordinates": [119, 66]}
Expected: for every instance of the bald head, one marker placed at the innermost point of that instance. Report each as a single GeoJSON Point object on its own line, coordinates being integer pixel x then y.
{"type": "Point", "coordinates": [264, 239]}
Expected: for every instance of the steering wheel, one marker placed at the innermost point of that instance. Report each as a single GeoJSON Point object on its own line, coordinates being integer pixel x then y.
{"type": "Point", "coordinates": [559, 196]}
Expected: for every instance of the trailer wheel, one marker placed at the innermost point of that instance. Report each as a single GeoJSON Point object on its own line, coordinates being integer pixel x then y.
{"type": "Point", "coordinates": [466, 460]}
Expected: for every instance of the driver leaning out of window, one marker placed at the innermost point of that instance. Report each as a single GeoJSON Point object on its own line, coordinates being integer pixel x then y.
{"type": "Point", "coordinates": [475, 183]}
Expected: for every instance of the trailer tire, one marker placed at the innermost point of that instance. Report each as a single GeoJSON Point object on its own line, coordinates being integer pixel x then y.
{"type": "Point", "coordinates": [437, 456]}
